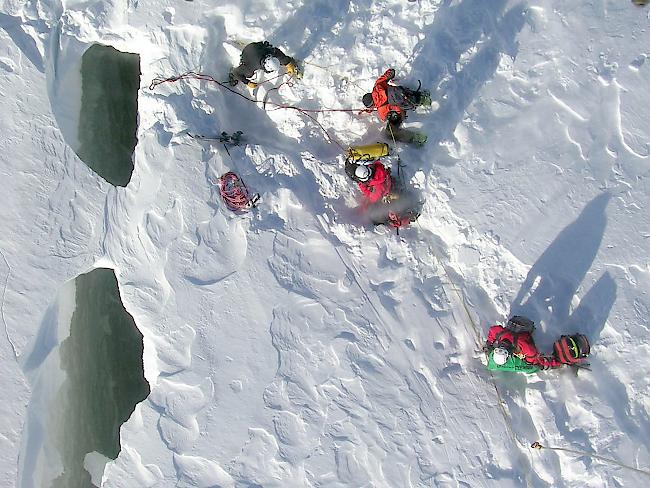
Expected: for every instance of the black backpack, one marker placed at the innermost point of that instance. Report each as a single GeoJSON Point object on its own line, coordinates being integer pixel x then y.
{"type": "Point", "coordinates": [519, 324]}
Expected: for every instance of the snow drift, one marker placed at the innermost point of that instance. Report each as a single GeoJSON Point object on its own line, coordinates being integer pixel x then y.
{"type": "Point", "coordinates": [293, 346]}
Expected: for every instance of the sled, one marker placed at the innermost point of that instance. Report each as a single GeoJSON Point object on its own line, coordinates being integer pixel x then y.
{"type": "Point", "coordinates": [512, 365]}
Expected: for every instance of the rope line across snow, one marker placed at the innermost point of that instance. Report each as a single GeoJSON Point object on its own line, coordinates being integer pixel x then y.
{"type": "Point", "coordinates": [537, 445]}
{"type": "Point", "coordinates": [478, 340]}
{"type": "Point", "coordinates": [307, 112]}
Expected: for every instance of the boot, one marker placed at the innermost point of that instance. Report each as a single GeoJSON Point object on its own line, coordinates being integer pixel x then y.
{"type": "Point", "coordinates": [425, 98]}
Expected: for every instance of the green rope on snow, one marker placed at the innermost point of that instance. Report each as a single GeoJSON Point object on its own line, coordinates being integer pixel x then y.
{"type": "Point", "coordinates": [478, 339]}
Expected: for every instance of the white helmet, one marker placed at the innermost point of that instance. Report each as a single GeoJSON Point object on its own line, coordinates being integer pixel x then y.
{"type": "Point", "coordinates": [500, 355]}
{"type": "Point", "coordinates": [362, 172]}
{"type": "Point", "coordinates": [271, 64]}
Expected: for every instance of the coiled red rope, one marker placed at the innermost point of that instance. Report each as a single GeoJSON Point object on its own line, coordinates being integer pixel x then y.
{"type": "Point", "coordinates": [234, 192]}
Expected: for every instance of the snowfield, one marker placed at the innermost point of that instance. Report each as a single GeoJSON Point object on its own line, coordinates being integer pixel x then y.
{"type": "Point", "coordinates": [296, 346]}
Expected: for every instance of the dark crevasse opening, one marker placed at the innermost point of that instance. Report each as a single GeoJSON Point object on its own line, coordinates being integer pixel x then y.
{"type": "Point", "coordinates": [109, 112]}
{"type": "Point", "coordinates": [104, 377]}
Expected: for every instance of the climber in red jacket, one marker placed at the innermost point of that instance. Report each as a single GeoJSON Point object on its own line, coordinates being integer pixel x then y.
{"type": "Point", "coordinates": [391, 102]}
{"type": "Point", "coordinates": [374, 180]}
{"type": "Point", "coordinates": [385, 201]}
{"type": "Point", "coordinates": [511, 348]}
{"type": "Point", "coordinates": [519, 344]}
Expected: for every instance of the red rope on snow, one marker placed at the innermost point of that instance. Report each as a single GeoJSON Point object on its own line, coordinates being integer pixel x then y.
{"type": "Point", "coordinates": [307, 112]}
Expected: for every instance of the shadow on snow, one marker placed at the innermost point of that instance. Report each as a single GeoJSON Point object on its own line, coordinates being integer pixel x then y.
{"type": "Point", "coordinates": [471, 24]}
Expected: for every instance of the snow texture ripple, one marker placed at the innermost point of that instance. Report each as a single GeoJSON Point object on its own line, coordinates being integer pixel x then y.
{"type": "Point", "coordinates": [294, 346]}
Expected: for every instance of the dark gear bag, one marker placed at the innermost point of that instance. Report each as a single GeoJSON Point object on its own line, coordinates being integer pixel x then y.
{"type": "Point", "coordinates": [519, 324]}
{"type": "Point", "coordinates": [404, 97]}
{"type": "Point", "coordinates": [395, 95]}
{"type": "Point", "coordinates": [571, 349]}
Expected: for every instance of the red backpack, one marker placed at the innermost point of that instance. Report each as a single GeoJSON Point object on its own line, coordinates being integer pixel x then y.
{"type": "Point", "coordinates": [571, 349]}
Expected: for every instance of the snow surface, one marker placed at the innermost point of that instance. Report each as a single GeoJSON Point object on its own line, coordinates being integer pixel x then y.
{"type": "Point", "coordinates": [294, 346]}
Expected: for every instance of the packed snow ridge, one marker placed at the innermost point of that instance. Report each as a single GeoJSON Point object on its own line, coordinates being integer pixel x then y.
{"type": "Point", "coordinates": [293, 346]}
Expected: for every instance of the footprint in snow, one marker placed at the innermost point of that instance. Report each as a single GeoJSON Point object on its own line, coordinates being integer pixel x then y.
{"type": "Point", "coordinates": [201, 473]}
{"type": "Point", "coordinates": [129, 470]}
{"type": "Point", "coordinates": [221, 250]}
{"type": "Point", "coordinates": [179, 405]}
{"type": "Point", "coordinates": [7, 65]}
{"type": "Point", "coordinates": [174, 350]}
{"type": "Point", "coordinates": [163, 229]}
{"type": "Point", "coordinates": [638, 62]}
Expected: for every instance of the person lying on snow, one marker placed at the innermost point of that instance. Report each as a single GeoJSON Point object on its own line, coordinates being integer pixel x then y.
{"type": "Point", "coordinates": [512, 348]}
{"type": "Point", "coordinates": [391, 102]}
{"type": "Point", "coordinates": [382, 200]}
{"type": "Point", "coordinates": [257, 57]}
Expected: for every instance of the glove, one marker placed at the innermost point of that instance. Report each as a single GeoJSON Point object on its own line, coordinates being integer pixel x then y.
{"type": "Point", "coordinates": [419, 139]}
{"type": "Point", "coordinates": [232, 81]}
{"type": "Point", "coordinates": [394, 117]}
{"type": "Point", "coordinates": [391, 74]}
{"type": "Point", "coordinates": [293, 70]}
{"type": "Point", "coordinates": [251, 84]}
{"type": "Point", "coordinates": [391, 197]}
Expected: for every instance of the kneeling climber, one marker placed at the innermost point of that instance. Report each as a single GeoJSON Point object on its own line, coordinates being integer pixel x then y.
{"type": "Point", "coordinates": [374, 180]}
{"type": "Point", "coordinates": [384, 201]}
{"type": "Point", "coordinates": [512, 348]}
{"type": "Point", "coordinates": [391, 102]}
{"type": "Point", "coordinates": [258, 57]}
